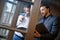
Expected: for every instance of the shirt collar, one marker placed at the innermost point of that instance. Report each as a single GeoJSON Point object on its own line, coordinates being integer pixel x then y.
{"type": "Point", "coordinates": [47, 16]}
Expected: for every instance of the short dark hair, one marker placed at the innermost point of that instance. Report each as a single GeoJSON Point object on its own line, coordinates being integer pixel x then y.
{"type": "Point", "coordinates": [28, 6]}
{"type": "Point", "coordinates": [45, 5]}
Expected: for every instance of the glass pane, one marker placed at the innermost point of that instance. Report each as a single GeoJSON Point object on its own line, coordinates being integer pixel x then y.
{"type": "Point", "coordinates": [12, 14]}
{"type": "Point", "coordinates": [3, 34]}
{"type": "Point", "coordinates": [8, 7]}
{"type": "Point", "coordinates": [8, 13]}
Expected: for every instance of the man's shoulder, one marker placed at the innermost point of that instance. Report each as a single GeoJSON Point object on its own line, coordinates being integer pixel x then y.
{"type": "Point", "coordinates": [54, 17]}
{"type": "Point", "coordinates": [23, 14]}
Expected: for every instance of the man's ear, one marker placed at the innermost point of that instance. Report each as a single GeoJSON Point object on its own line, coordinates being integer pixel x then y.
{"type": "Point", "coordinates": [49, 9]}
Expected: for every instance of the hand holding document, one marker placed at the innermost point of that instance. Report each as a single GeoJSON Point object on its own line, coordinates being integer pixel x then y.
{"type": "Point", "coordinates": [41, 28]}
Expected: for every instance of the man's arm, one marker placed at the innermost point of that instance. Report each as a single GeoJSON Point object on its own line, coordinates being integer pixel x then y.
{"type": "Point", "coordinates": [20, 19]}
{"type": "Point", "coordinates": [53, 31]}
{"type": "Point", "coordinates": [37, 34]}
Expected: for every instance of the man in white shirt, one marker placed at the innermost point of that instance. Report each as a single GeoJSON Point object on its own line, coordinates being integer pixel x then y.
{"type": "Point", "coordinates": [22, 21]}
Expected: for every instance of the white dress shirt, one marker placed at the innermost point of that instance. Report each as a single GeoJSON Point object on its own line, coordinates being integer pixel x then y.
{"type": "Point", "coordinates": [22, 23]}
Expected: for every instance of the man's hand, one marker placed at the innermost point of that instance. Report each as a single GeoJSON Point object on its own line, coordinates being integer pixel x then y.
{"type": "Point", "coordinates": [21, 18]}
{"type": "Point", "coordinates": [36, 34]}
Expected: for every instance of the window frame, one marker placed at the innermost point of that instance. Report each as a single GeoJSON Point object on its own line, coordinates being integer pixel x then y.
{"type": "Point", "coordinates": [11, 30]}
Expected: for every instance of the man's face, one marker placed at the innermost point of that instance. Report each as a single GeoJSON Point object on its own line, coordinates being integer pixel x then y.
{"type": "Point", "coordinates": [44, 10]}
{"type": "Point", "coordinates": [27, 10]}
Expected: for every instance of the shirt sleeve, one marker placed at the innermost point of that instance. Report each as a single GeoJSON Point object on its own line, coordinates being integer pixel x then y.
{"type": "Point", "coordinates": [20, 17]}
{"type": "Point", "coordinates": [54, 28]}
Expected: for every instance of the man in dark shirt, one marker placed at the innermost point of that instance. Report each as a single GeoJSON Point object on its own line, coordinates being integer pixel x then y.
{"type": "Point", "coordinates": [51, 23]}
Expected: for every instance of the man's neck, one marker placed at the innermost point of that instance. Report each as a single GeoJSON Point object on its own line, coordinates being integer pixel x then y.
{"type": "Point", "coordinates": [48, 15]}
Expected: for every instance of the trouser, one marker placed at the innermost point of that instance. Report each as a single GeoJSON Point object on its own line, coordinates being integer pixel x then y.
{"type": "Point", "coordinates": [16, 37]}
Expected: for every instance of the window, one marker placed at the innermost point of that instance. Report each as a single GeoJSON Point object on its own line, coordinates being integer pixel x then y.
{"type": "Point", "coordinates": [8, 12]}
{"type": "Point", "coordinates": [9, 16]}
